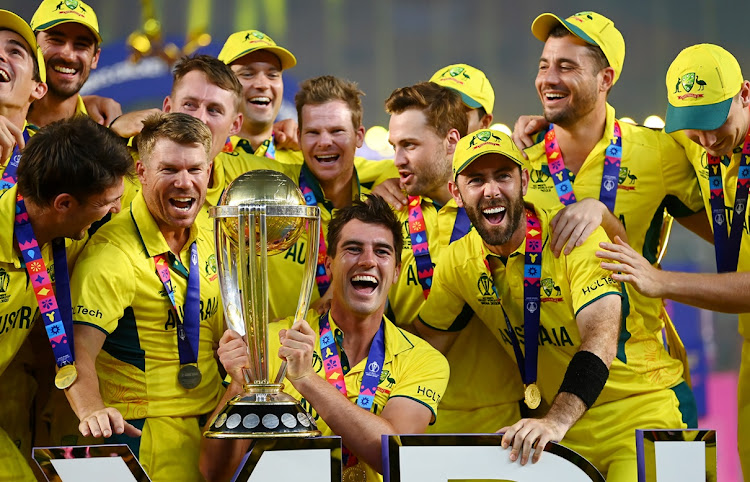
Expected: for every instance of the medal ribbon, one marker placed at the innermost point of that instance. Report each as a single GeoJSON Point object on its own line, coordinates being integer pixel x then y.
{"type": "Point", "coordinates": [9, 177]}
{"type": "Point", "coordinates": [727, 247]}
{"type": "Point", "coordinates": [527, 365]}
{"type": "Point", "coordinates": [62, 344]}
{"type": "Point", "coordinates": [321, 276]}
{"type": "Point", "coordinates": [188, 330]}
{"type": "Point", "coordinates": [335, 373]}
{"type": "Point", "coordinates": [561, 177]}
{"type": "Point", "coordinates": [270, 148]}
{"type": "Point", "coordinates": [462, 225]}
{"type": "Point", "coordinates": [419, 246]}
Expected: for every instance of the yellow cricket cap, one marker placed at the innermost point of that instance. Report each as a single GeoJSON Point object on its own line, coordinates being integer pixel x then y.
{"type": "Point", "coordinates": [481, 142]}
{"type": "Point", "coordinates": [592, 28]}
{"type": "Point", "coordinates": [242, 43]}
{"type": "Point", "coordinates": [11, 21]}
{"type": "Point", "coordinates": [476, 91]}
{"type": "Point", "coordinates": [701, 83]}
{"type": "Point", "coordinates": [54, 12]}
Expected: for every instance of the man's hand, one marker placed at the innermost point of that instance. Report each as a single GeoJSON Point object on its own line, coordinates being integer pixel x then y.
{"type": "Point", "coordinates": [233, 355]}
{"type": "Point", "coordinates": [572, 225]}
{"type": "Point", "coordinates": [393, 193]}
{"type": "Point", "coordinates": [100, 423]}
{"type": "Point", "coordinates": [525, 128]}
{"type": "Point", "coordinates": [530, 433]}
{"type": "Point", "coordinates": [102, 110]}
{"type": "Point", "coordinates": [285, 134]}
{"type": "Point", "coordinates": [297, 346]}
{"type": "Point", "coordinates": [323, 304]}
{"type": "Point", "coordinates": [131, 124]}
{"type": "Point", "coordinates": [632, 268]}
{"type": "Point", "coordinates": [10, 135]}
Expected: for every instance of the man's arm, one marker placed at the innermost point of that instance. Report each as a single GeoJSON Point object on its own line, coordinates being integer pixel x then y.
{"type": "Point", "coordinates": [440, 340]}
{"type": "Point", "coordinates": [219, 457]}
{"type": "Point", "coordinates": [573, 224]}
{"type": "Point", "coordinates": [698, 224]}
{"type": "Point", "coordinates": [360, 430]}
{"type": "Point", "coordinates": [723, 292]}
{"type": "Point", "coordinates": [102, 110]}
{"type": "Point", "coordinates": [599, 326]}
{"type": "Point", "coordinates": [96, 419]}
{"type": "Point", "coordinates": [525, 129]}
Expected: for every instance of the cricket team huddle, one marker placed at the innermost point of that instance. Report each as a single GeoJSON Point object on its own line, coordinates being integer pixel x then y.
{"type": "Point", "coordinates": [510, 281]}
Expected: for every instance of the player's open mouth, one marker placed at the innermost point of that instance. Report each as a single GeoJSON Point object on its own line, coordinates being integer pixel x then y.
{"type": "Point", "coordinates": [494, 215]}
{"type": "Point", "coordinates": [364, 283]}
{"type": "Point", "coordinates": [64, 70]}
{"type": "Point", "coordinates": [4, 76]}
{"type": "Point", "coordinates": [327, 159]}
{"type": "Point", "coordinates": [554, 96]}
{"type": "Point", "coordinates": [182, 203]}
{"type": "Point", "coordinates": [261, 101]}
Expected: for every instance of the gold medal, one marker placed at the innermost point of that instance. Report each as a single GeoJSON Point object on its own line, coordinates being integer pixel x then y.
{"type": "Point", "coordinates": [355, 473]}
{"type": "Point", "coordinates": [532, 396]}
{"type": "Point", "coordinates": [65, 376]}
{"type": "Point", "coordinates": [189, 376]}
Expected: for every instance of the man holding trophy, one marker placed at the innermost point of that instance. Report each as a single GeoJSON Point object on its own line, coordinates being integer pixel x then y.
{"type": "Point", "coordinates": [147, 311]}
{"type": "Point", "coordinates": [351, 357]}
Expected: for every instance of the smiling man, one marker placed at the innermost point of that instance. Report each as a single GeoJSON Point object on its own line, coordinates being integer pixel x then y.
{"type": "Point", "coordinates": [364, 260]}
{"type": "Point", "coordinates": [57, 206]}
{"type": "Point", "coordinates": [259, 64]}
{"type": "Point", "coordinates": [147, 309]}
{"type": "Point", "coordinates": [22, 76]}
{"type": "Point", "coordinates": [558, 317]}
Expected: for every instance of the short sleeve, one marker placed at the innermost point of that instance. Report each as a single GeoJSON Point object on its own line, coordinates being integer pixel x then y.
{"type": "Point", "coordinates": [588, 280]}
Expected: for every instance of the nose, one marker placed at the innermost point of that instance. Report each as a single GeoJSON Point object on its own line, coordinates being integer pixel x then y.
{"type": "Point", "coordinates": [325, 139]}
{"type": "Point", "coordinates": [182, 178]}
{"type": "Point", "coordinates": [201, 114]}
{"type": "Point", "coordinates": [707, 138]}
{"type": "Point", "coordinates": [367, 257]}
{"type": "Point", "coordinates": [66, 52]}
{"type": "Point", "coordinates": [399, 157]}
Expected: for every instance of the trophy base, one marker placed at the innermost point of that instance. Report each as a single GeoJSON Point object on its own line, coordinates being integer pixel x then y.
{"type": "Point", "coordinates": [262, 411]}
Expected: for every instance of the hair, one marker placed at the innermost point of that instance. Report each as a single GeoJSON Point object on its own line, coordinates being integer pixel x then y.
{"type": "Point", "coordinates": [217, 72]}
{"type": "Point", "coordinates": [442, 107]}
{"type": "Point", "coordinates": [327, 88]}
{"type": "Point", "coordinates": [600, 60]}
{"type": "Point", "coordinates": [373, 210]}
{"type": "Point", "coordinates": [75, 156]}
{"type": "Point", "coordinates": [181, 128]}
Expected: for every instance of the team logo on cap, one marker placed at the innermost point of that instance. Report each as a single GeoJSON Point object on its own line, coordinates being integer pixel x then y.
{"type": "Point", "coordinates": [687, 82]}
{"type": "Point", "coordinates": [256, 36]}
{"type": "Point", "coordinates": [581, 16]}
{"type": "Point", "coordinates": [484, 137]}
{"type": "Point", "coordinates": [71, 4]}
{"type": "Point", "coordinates": [455, 72]}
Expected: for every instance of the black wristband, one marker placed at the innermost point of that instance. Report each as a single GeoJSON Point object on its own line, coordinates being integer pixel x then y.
{"type": "Point", "coordinates": [585, 377]}
{"type": "Point", "coordinates": [113, 121]}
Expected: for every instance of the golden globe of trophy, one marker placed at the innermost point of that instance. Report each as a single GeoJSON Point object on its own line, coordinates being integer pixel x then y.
{"type": "Point", "coordinates": [261, 213]}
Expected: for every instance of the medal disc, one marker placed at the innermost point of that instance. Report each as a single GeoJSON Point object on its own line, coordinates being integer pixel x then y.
{"type": "Point", "coordinates": [189, 376]}
{"type": "Point", "coordinates": [532, 396]}
{"type": "Point", "coordinates": [355, 473]}
{"type": "Point", "coordinates": [66, 376]}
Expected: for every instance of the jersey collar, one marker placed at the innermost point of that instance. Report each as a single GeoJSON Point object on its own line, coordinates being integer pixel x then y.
{"type": "Point", "coordinates": [151, 237]}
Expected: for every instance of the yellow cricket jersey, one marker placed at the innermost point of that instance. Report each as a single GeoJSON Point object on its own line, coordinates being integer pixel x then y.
{"type": "Point", "coordinates": [569, 284]}
{"type": "Point", "coordinates": [729, 171]}
{"type": "Point", "coordinates": [474, 357]}
{"type": "Point", "coordinates": [286, 270]}
{"type": "Point", "coordinates": [116, 290]}
{"type": "Point", "coordinates": [412, 369]}
{"type": "Point", "coordinates": [282, 155]}
{"type": "Point", "coordinates": [18, 306]}
{"type": "Point", "coordinates": [654, 174]}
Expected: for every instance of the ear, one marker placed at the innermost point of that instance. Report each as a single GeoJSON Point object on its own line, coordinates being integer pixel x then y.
{"type": "Point", "coordinates": [167, 104]}
{"type": "Point", "coordinates": [396, 274]}
{"type": "Point", "coordinates": [95, 58]}
{"type": "Point", "coordinates": [63, 202]}
{"type": "Point", "coordinates": [452, 139]}
{"type": "Point", "coordinates": [236, 125]}
{"type": "Point", "coordinates": [140, 169]}
{"type": "Point", "coordinates": [453, 187]}
{"type": "Point", "coordinates": [524, 180]}
{"type": "Point", "coordinates": [607, 78]}
{"type": "Point", "coordinates": [486, 121]}
{"type": "Point", "coordinates": [745, 94]}
{"type": "Point", "coordinates": [40, 89]}
{"type": "Point", "coordinates": [360, 135]}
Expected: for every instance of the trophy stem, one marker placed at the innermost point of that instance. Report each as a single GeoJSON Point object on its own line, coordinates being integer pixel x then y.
{"type": "Point", "coordinates": [313, 242]}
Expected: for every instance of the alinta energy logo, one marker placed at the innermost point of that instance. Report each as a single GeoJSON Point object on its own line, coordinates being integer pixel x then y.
{"type": "Point", "coordinates": [687, 82]}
